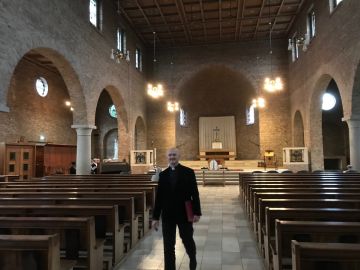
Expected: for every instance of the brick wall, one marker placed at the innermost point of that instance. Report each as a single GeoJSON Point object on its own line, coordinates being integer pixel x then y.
{"type": "Point", "coordinates": [32, 115]}
{"type": "Point", "coordinates": [61, 31]}
{"type": "Point", "coordinates": [332, 54]}
{"type": "Point", "coordinates": [250, 60]}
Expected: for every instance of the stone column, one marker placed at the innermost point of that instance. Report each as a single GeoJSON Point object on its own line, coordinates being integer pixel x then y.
{"type": "Point", "coordinates": [83, 150]}
{"type": "Point", "coordinates": [354, 142]}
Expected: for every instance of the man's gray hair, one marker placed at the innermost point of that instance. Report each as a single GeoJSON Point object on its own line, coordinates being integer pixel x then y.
{"type": "Point", "coordinates": [173, 149]}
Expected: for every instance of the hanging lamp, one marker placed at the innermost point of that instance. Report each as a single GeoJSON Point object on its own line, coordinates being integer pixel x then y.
{"type": "Point", "coordinates": [272, 84]}
{"type": "Point", "coordinates": [155, 89]}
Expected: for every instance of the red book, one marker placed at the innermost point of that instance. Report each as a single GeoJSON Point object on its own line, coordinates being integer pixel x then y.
{"type": "Point", "coordinates": [189, 211]}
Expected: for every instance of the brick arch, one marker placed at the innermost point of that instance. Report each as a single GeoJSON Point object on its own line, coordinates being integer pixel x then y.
{"type": "Point", "coordinates": [355, 97]}
{"type": "Point", "coordinates": [298, 130]}
{"type": "Point", "coordinates": [140, 134]}
{"type": "Point", "coordinates": [70, 78]}
{"type": "Point", "coordinates": [122, 120]}
{"type": "Point", "coordinates": [119, 104]}
{"type": "Point", "coordinates": [199, 68]}
{"type": "Point", "coordinates": [315, 121]}
{"type": "Point", "coordinates": [217, 90]}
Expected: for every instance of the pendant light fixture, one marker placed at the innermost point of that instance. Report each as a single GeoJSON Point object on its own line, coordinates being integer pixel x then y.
{"type": "Point", "coordinates": [172, 105]}
{"type": "Point", "coordinates": [272, 84]}
{"type": "Point", "coordinates": [155, 90]}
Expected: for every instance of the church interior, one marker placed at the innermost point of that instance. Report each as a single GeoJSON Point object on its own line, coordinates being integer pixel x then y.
{"type": "Point", "coordinates": [261, 97]}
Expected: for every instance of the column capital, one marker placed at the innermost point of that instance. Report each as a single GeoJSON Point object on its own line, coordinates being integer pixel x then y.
{"type": "Point", "coordinates": [353, 122]}
{"type": "Point", "coordinates": [4, 108]}
{"type": "Point", "coordinates": [83, 130]}
{"type": "Point", "coordinates": [83, 126]}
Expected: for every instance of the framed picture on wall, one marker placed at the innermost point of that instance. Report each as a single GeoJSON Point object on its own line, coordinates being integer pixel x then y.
{"type": "Point", "coordinates": [140, 158]}
{"type": "Point", "coordinates": [296, 155]}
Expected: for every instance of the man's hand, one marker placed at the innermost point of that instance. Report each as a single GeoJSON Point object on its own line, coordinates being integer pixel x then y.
{"type": "Point", "coordinates": [155, 225]}
{"type": "Point", "coordinates": [196, 219]}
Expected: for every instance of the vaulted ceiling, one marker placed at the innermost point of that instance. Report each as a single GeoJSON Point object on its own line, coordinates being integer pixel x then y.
{"type": "Point", "coordinates": [187, 22]}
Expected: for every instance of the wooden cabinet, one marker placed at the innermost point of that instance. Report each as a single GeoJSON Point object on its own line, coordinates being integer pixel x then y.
{"type": "Point", "coordinates": [33, 159]}
{"type": "Point", "coordinates": [19, 160]}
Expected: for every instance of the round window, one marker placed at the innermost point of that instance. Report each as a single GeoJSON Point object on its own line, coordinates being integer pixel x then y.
{"type": "Point", "coordinates": [328, 102]}
{"type": "Point", "coordinates": [41, 87]}
{"type": "Point", "coordinates": [112, 111]}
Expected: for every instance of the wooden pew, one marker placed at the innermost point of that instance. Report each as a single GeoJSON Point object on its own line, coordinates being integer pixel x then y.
{"type": "Point", "coordinates": [99, 176]}
{"type": "Point", "coordinates": [47, 246]}
{"type": "Point", "coordinates": [93, 247]}
{"type": "Point", "coordinates": [150, 191]}
{"type": "Point", "coordinates": [303, 214]}
{"type": "Point", "coordinates": [299, 203]}
{"type": "Point", "coordinates": [106, 220]}
{"type": "Point", "coordinates": [139, 204]}
{"type": "Point", "coordinates": [250, 187]}
{"type": "Point", "coordinates": [311, 189]}
{"type": "Point", "coordinates": [299, 195]}
{"type": "Point", "coordinates": [325, 256]}
{"type": "Point", "coordinates": [309, 231]}
{"type": "Point", "coordinates": [126, 210]}
{"type": "Point", "coordinates": [244, 178]}
{"type": "Point", "coordinates": [9, 178]}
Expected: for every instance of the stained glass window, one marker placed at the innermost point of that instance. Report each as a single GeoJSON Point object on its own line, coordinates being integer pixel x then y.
{"type": "Point", "coordinates": [112, 111]}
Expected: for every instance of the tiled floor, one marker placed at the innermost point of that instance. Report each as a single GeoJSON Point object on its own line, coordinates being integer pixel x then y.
{"type": "Point", "coordinates": [223, 238]}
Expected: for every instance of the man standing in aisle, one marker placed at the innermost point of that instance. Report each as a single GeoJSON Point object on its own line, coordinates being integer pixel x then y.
{"type": "Point", "coordinates": [177, 189]}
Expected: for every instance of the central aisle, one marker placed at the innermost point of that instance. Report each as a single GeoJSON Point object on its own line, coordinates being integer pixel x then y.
{"type": "Point", "coordinates": [223, 238]}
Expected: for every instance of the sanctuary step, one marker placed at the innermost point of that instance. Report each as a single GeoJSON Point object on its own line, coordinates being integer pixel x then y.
{"type": "Point", "coordinates": [205, 177]}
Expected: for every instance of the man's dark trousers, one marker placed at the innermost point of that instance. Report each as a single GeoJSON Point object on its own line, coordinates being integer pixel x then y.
{"type": "Point", "coordinates": [169, 235]}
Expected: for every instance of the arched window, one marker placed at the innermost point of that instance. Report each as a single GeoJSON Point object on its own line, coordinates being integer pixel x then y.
{"type": "Point", "coordinates": [41, 87]}
{"type": "Point", "coordinates": [250, 115]}
{"type": "Point", "coordinates": [112, 111]}
{"type": "Point", "coordinates": [183, 118]}
{"type": "Point", "coordinates": [328, 102]}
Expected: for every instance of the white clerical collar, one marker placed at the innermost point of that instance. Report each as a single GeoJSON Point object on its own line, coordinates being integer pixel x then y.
{"type": "Point", "coordinates": [173, 167]}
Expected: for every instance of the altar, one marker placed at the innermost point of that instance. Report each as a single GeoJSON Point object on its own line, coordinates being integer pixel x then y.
{"type": "Point", "coordinates": [217, 139]}
{"type": "Point", "coordinates": [217, 154]}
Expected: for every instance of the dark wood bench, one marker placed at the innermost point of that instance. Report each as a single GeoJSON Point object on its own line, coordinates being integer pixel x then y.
{"type": "Point", "coordinates": [309, 231]}
{"type": "Point", "coordinates": [325, 256]}
{"type": "Point", "coordinates": [298, 195]}
{"type": "Point", "coordinates": [150, 194]}
{"type": "Point", "coordinates": [299, 203]}
{"type": "Point", "coordinates": [285, 184]}
{"type": "Point", "coordinates": [47, 247]}
{"type": "Point", "coordinates": [84, 241]}
{"type": "Point", "coordinates": [302, 214]}
{"type": "Point", "coordinates": [9, 177]}
{"type": "Point", "coordinates": [139, 202]}
{"type": "Point", "coordinates": [127, 219]}
{"type": "Point", "coordinates": [243, 178]}
{"type": "Point", "coordinates": [150, 191]}
{"type": "Point", "coordinates": [106, 220]}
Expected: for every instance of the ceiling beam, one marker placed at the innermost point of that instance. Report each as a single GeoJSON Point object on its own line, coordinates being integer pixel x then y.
{"type": "Point", "coordinates": [277, 14]}
{"type": "Point", "coordinates": [237, 18]}
{"type": "Point", "coordinates": [300, 4]}
{"type": "Point", "coordinates": [134, 8]}
{"type": "Point", "coordinates": [203, 19]}
{"type": "Point", "coordinates": [181, 11]}
{"type": "Point", "coordinates": [163, 18]}
{"type": "Point", "coordinates": [123, 12]}
{"type": "Point", "coordinates": [215, 21]}
{"type": "Point", "coordinates": [258, 20]}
